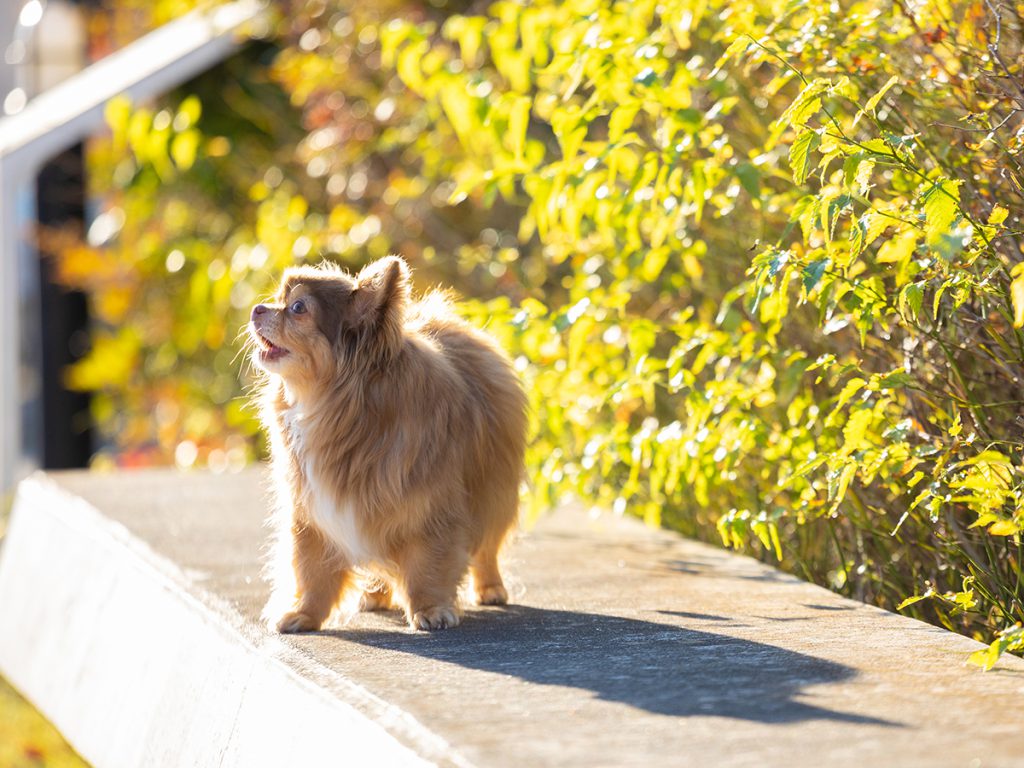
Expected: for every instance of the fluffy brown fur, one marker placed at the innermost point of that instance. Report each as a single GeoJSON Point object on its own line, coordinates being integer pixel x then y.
{"type": "Point", "coordinates": [397, 435]}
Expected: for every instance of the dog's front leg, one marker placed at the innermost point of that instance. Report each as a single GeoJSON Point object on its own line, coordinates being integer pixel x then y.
{"type": "Point", "coordinates": [431, 572]}
{"type": "Point", "coordinates": [321, 575]}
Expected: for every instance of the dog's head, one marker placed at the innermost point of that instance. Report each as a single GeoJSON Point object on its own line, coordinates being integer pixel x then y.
{"type": "Point", "coordinates": [323, 318]}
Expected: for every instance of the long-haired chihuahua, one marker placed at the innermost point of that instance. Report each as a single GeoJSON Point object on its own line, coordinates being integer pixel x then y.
{"type": "Point", "coordinates": [397, 434]}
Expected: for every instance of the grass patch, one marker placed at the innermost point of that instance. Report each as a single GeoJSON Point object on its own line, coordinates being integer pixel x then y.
{"type": "Point", "coordinates": [27, 739]}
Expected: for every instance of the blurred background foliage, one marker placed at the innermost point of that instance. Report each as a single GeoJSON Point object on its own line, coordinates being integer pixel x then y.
{"type": "Point", "coordinates": [759, 264]}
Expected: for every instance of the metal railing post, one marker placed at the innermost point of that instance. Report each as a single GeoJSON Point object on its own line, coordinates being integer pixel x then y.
{"type": "Point", "coordinates": [65, 115]}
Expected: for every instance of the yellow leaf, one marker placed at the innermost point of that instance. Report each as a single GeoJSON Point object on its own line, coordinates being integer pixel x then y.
{"type": "Point", "coordinates": [855, 430]}
{"type": "Point", "coordinates": [873, 101]}
{"type": "Point", "coordinates": [1017, 296]}
{"type": "Point", "coordinates": [941, 205]}
{"type": "Point", "coordinates": [184, 147]}
{"type": "Point", "coordinates": [985, 658]}
{"type": "Point", "coordinates": [621, 120]}
{"type": "Point", "coordinates": [1003, 528]}
{"type": "Point", "coordinates": [408, 65]}
{"type": "Point", "coordinates": [189, 112]}
{"type": "Point", "coordinates": [898, 249]}
{"type": "Point", "coordinates": [518, 121]}
{"type": "Point", "coordinates": [117, 113]}
{"type": "Point", "coordinates": [458, 106]}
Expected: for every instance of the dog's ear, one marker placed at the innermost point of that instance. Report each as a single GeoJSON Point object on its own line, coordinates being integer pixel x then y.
{"type": "Point", "coordinates": [380, 298]}
{"type": "Point", "coordinates": [382, 289]}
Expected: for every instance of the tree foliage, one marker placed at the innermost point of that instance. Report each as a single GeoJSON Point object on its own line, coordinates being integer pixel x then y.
{"type": "Point", "coordinates": [760, 263]}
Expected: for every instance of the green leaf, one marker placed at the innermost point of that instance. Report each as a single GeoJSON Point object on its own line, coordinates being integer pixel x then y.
{"type": "Point", "coordinates": [408, 65]}
{"type": "Point", "coordinates": [812, 273]}
{"type": "Point", "coordinates": [837, 490]}
{"type": "Point", "coordinates": [941, 207]}
{"type": "Point", "coordinates": [750, 179]}
{"type": "Point", "coordinates": [810, 465]}
{"type": "Point", "coordinates": [858, 234]}
{"type": "Point", "coordinates": [898, 433]}
{"type": "Point", "coordinates": [894, 379]}
{"type": "Point", "coordinates": [567, 129]}
{"type": "Point", "coordinates": [646, 77]}
{"type": "Point", "coordinates": [898, 249]}
{"type": "Point", "coordinates": [911, 300]}
{"type": "Point", "coordinates": [800, 155]}
{"type": "Point", "coordinates": [857, 170]}
{"type": "Point", "coordinates": [1010, 639]}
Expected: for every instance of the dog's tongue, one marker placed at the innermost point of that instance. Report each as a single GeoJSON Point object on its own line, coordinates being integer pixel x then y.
{"type": "Point", "coordinates": [271, 351]}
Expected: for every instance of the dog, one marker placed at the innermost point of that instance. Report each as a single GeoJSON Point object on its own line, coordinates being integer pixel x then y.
{"type": "Point", "coordinates": [397, 435]}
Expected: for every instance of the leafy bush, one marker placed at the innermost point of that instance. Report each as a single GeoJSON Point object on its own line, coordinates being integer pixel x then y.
{"type": "Point", "coordinates": [759, 263]}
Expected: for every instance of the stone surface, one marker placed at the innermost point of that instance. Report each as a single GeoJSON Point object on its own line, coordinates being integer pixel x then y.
{"type": "Point", "coordinates": [625, 646]}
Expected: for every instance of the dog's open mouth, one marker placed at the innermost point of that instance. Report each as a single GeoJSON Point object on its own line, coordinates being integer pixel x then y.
{"type": "Point", "coordinates": [269, 350]}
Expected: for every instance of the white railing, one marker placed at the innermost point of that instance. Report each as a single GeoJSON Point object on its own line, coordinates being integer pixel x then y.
{"type": "Point", "coordinates": [62, 117]}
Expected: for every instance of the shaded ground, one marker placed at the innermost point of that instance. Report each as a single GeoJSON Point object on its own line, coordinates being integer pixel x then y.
{"type": "Point", "coordinates": [659, 668]}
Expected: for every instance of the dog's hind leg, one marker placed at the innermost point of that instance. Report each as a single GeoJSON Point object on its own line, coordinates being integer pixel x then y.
{"type": "Point", "coordinates": [487, 584]}
{"type": "Point", "coordinates": [377, 597]}
{"type": "Point", "coordinates": [499, 515]}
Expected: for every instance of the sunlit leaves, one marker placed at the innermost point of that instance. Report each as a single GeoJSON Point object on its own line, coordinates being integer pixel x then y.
{"type": "Point", "coordinates": [804, 105]}
{"type": "Point", "coordinates": [813, 272]}
{"type": "Point", "coordinates": [518, 121]}
{"type": "Point", "coordinates": [656, 167]}
{"type": "Point", "coordinates": [800, 155]}
{"type": "Point", "coordinates": [184, 147]}
{"type": "Point", "coordinates": [940, 203]}
{"type": "Point", "coordinates": [1011, 639]}
{"type": "Point", "coordinates": [741, 259]}
{"type": "Point", "coordinates": [911, 299]}
{"type": "Point", "coordinates": [1017, 295]}
{"type": "Point", "coordinates": [736, 47]}
{"type": "Point", "coordinates": [872, 103]}
{"type": "Point", "coordinates": [112, 361]}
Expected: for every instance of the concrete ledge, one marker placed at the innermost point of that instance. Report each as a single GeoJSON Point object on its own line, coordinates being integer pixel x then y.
{"type": "Point", "coordinates": [129, 615]}
{"type": "Point", "coordinates": [139, 666]}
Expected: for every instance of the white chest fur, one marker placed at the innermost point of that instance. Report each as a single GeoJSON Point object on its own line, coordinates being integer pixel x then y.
{"type": "Point", "coordinates": [335, 515]}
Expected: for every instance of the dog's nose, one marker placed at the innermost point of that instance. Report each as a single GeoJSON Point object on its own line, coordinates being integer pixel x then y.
{"type": "Point", "coordinates": [259, 309]}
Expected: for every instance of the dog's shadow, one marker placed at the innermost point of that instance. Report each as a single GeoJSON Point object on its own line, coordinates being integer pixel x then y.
{"type": "Point", "coordinates": [661, 668]}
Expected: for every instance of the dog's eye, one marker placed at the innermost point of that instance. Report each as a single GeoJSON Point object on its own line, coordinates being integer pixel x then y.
{"type": "Point", "coordinates": [298, 307]}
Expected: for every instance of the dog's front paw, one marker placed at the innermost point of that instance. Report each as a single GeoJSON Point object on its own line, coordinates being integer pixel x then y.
{"type": "Point", "coordinates": [438, 617]}
{"type": "Point", "coordinates": [294, 621]}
